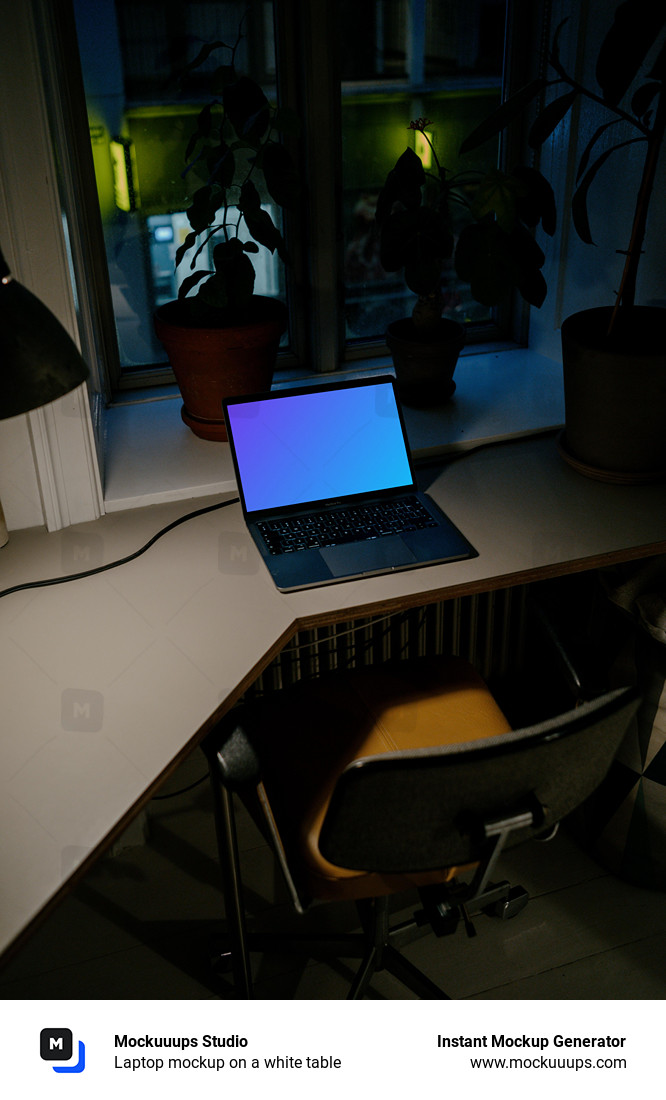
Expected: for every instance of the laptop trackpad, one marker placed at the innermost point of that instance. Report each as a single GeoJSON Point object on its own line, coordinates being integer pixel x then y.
{"type": "Point", "coordinates": [364, 557]}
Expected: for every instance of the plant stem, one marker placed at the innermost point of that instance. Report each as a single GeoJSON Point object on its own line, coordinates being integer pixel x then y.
{"type": "Point", "coordinates": [627, 292]}
{"type": "Point", "coordinates": [432, 147]}
{"type": "Point", "coordinates": [576, 86]}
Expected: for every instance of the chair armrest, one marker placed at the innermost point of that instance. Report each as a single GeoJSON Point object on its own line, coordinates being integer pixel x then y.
{"type": "Point", "coordinates": [230, 751]}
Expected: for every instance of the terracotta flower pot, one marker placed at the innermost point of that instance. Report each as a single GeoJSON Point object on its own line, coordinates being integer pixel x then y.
{"type": "Point", "coordinates": [424, 367]}
{"type": "Point", "coordinates": [211, 364]}
{"type": "Point", "coordinates": [615, 394]}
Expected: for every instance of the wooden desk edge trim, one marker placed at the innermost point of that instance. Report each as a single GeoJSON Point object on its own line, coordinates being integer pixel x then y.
{"type": "Point", "coordinates": [477, 587]}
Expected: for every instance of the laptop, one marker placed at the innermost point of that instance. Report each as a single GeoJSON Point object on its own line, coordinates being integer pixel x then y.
{"type": "Point", "coordinates": [327, 486]}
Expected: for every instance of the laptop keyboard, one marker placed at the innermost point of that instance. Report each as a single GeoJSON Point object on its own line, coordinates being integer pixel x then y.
{"type": "Point", "coordinates": [354, 524]}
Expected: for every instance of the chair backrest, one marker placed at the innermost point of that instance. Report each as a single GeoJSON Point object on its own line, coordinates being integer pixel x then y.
{"type": "Point", "coordinates": [423, 809]}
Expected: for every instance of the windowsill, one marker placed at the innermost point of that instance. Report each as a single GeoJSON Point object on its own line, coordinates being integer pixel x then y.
{"type": "Point", "coordinates": [152, 457]}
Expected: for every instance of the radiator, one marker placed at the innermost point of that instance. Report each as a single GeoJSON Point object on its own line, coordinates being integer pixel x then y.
{"type": "Point", "coordinates": [487, 629]}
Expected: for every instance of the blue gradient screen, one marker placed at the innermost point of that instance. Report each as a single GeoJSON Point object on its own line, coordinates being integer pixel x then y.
{"type": "Point", "coordinates": [315, 446]}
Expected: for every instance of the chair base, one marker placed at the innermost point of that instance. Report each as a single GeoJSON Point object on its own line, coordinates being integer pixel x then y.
{"type": "Point", "coordinates": [375, 946]}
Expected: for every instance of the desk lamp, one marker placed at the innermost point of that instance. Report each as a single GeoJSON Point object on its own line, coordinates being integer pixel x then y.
{"type": "Point", "coordinates": [38, 359]}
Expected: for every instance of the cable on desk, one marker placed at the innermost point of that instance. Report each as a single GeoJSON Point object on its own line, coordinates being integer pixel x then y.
{"type": "Point", "coordinates": [121, 561]}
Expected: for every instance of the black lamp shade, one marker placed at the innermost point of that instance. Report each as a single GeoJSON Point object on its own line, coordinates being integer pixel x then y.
{"type": "Point", "coordinates": [38, 359]}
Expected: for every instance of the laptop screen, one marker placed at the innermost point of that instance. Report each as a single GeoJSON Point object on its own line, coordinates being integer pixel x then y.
{"type": "Point", "coordinates": [294, 448]}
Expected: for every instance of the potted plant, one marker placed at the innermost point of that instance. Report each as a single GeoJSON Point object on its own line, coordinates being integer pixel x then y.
{"type": "Point", "coordinates": [417, 215]}
{"type": "Point", "coordinates": [221, 337]}
{"type": "Point", "coordinates": [614, 356]}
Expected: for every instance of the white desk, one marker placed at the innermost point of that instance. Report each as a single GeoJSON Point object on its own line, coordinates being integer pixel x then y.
{"type": "Point", "coordinates": [108, 682]}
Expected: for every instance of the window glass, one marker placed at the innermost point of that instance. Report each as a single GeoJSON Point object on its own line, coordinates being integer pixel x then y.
{"type": "Point", "coordinates": [407, 59]}
{"type": "Point", "coordinates": [141, 118]}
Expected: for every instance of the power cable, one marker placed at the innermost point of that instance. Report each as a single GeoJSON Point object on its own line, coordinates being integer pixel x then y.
{"type": "Point", "coordinates": [120, 561]}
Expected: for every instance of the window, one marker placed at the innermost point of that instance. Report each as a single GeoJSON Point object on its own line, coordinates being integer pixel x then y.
{"type": "Point", "coordinates": [358, 72]}
{"type": "Point", "coordinates": [407, 60]}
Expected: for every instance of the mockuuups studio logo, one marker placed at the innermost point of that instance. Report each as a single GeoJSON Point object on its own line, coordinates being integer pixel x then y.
{"type": "Point", "coordinates": [56, 1045]}
{"type": "Point", "coordinates": [236, 553]}
{"type": "Point", "coordinates": [385, 401]}
{"type": "Point", "coordinates": [80, 551]}
{"type": "Point", "coordinates": [81, 711]}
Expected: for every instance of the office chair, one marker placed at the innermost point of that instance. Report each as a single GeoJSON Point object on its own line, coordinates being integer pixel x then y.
{"type": "Point", "coordinates": [380, 779]}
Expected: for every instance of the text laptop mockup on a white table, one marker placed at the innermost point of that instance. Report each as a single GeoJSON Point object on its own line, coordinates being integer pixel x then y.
{"type": "Point", "coordinates": [327, 486]}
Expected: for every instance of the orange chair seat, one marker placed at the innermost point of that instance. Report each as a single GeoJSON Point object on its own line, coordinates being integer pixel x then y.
{"type": "Point", "coordinates": [313, 732]}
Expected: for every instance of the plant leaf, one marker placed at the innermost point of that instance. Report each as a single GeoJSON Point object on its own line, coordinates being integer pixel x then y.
{"type": "Point", "coordinates": [191, 281]}
{"type": "Point", "coordinates": [634, 32]}
{"type": "Point", "coordinates": [497, 194]}
{"type": "Point", "coordinates": [199, 213]}
{"type": "Point", "coordinates": [554, 55]}
{"type": "Point", "coordinates": [191, 145]}
{"type": "Point", "coordinates": [415, 239]}
{"type": "Point", "coordinates": [403, 184]}
{"type": "Point", "coordinates": [250, 201]}
{"type": "Point", "coordinates": [423, 276]}
{"type": "Point", "coordinates": [587, 152]}
{"type": "Point", "coordinates": [263, 231]}
{"type": "Point", "coordinates": [225, 74]}
{"type": "Point", "coordinates": [579, 201]}
{"type": "Point", "coordinates": [493, 262]}
{"type": "Point", "coordinates": [221, 165]}
{"type": "Point", "coordinates": [643, 97]}
{"type": "Point", "coordinates": [528, 259]}
{"type": "Point", "coordinates": [203, 55]}
{"type": "Point", "coordinates": [246, 108]}
{"type": "Point", "coordinates": [396, 231]}
{"type": "Point", "coordinates": [185, 247]}
{"type": "Point", "coordinates": [505, 113]}
{"type": "Point", "coordinates": [233, 281]}
{"type": "Point", "coordinates": [537, 202]}
{"type": "Point", "coordinates": [549, 119]}
{"type": "Point", "coordinates": [259, 222]}
{"type": "Point", "coordinates": [533, 287]}
{"type": "Point", "coordinates": [479, 261]}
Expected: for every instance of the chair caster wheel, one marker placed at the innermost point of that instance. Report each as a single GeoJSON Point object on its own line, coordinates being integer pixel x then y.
{"type": "Point", "coordinates": [512, 904]}
{"type": "Point", "coordinates": [219, 955]}
{"type": "Point", "coordinates": [221, 964]}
